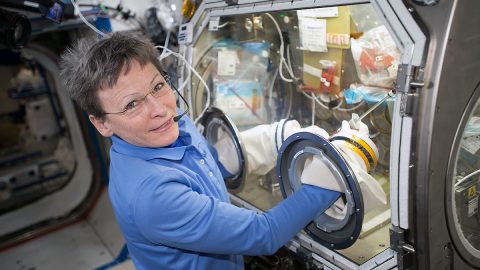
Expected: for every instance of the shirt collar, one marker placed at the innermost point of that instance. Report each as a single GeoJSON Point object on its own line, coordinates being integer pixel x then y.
{"type": "Point", "coordinates": [174, 151]}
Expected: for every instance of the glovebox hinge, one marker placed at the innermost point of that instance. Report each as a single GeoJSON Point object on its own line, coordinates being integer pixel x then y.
{"type": "Point", "coordinates": [405, 82]}
{"type": "Point", "coordinates": [407, 87]}
{"type": "Point", "coordinates": [406, 103]}
{"type": "Point", "coordinates": [405, 251]}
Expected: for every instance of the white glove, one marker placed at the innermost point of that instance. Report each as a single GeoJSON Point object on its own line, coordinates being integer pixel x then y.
{"type": "Point", "coordinates": [317, 173]}
{"type": "Point", "coordinates": [357, 124]}
{"type": "Point", "coordinates": [372, 193]}
{"type": "Point", "coordinates": [263, 142]}
{"type": "Point", "coordinates": [357, 131]}
{"type": "Point", "coordinates": [226, 152]}
{"type": "Point", "coordinates": [260, 147]}
{"type": "Point", "coordinates": [291, 127]}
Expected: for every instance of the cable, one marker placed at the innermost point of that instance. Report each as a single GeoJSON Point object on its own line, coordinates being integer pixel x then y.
{"type": "Point", "coordinates": [165, 45]}
{"type": "Point", "coordinates": [282, 58]}
{"type": "Point", "coordinates": [270, 89]}
{"type": "Point", "coordinates": [77, 8]}
{"type": "Point", "coordinates": [351, 109]}
{"type": "Point", "coordinates": [466, 177]}
{"type": "Point", "coordinates": [290, 69]}
{"type": "Point", "coordinates": [223, 25]}
{"type": "Point", "coordinates": [190, 68]}
{"type": "Point", "coordinates": [320, 102]}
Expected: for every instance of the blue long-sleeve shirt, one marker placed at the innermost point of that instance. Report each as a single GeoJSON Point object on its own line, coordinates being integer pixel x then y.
{"type": "Point", "coordinates": [173, 208]}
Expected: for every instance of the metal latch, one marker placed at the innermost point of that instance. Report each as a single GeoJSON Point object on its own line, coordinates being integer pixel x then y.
{"type": "Point", "coordinates": [405, 82]}
{"type": "Point", "coordinates": [404, 250]}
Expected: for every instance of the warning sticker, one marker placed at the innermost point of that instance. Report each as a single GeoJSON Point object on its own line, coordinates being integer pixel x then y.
{"type": "Point", "coordinates": [472, 192]}
{"type": "Point", "coordinates": [472, 206]}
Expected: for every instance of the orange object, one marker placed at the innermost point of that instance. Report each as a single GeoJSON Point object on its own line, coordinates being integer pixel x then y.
{"type": "Point", "coordinates": [188, 8]}
{"type": "Point", "coordinates": [329, 70]}
{"type": "Point", "coordinates": [375, 60]}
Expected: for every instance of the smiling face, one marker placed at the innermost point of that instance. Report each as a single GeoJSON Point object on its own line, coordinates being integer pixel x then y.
{"type": "Point", "coordinates": [151, 123]}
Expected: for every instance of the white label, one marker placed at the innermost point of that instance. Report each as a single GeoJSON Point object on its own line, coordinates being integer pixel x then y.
{"type": "Point", "coordinates": [227, 61]}
{"type": "Point", "coordinates": [473, 206]}
{"type": "Point", "coordinates": [213, 24]}
{"type": "Point", "coordinates": [319, 12]}
{"type": "Point", "coordinates": [471, 144]}
{"type": "Point", "coordinates": [313, 34]}
{"type": "Point", "coordinates": [312, 70]}
{"type": "Point", "coordinates": [185, 33]}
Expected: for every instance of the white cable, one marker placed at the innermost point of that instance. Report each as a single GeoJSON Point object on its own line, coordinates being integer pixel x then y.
{"type": "Point", "coordinates": [351, 109]}
{"type": "Point", "coordinates": [282, 59]}
{"type": "Point", "coordinates": [338, 106]}
{"type": "Point", "coordinates": [270, 89]}
{"type": "Point", "coordinates": [466, 177]}
{"type": "Point", "coordinates": [77, 8]}
{"type": "Point", "coordinates": [165, 45]}
{"type": "Point", "coordinates": [223, 25]}
{"type": "Point", "coordinates": [320, 102]}
{"type": "Point", "coordinates": [305, 94]}
{"type": "Point", "coordinates": [179, 56]}
{"type": "Point", "coordinates": [289, 67]}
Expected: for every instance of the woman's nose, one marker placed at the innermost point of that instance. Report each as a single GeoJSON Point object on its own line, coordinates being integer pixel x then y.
{"type": "Point", "coordinates": [155, 107]}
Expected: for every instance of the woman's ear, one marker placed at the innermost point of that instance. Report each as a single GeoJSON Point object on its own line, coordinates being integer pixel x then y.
{"type": "Point", "coordinates": [100, 126]}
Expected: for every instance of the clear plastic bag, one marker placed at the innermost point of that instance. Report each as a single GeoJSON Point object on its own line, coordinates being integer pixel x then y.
{"type": "Point", "coordinates": [376, 58]}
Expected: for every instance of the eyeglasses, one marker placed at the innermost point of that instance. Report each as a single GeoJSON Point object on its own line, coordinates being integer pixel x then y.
{"type": "Point", "coordinates": [137, 105]}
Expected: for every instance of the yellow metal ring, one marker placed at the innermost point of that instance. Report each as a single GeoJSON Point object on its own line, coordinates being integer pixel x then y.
{"type": "Point", "coordinates": [368, 148]}
{"type": "Point", "coordinates": [360, 153]}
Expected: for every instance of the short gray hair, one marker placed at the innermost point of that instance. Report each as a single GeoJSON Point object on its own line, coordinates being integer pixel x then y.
{"type": "Point", "coordinates": [92, 65]}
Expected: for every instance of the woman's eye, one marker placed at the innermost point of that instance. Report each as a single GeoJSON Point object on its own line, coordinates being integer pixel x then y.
{"type": "Point", "coordinates": [132, 104]}
{"type": "Point", "coordinates": [158, 87]}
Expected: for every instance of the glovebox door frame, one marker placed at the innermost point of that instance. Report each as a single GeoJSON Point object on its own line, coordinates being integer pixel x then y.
{"type": "Point", "coordinates": [410, 38]}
